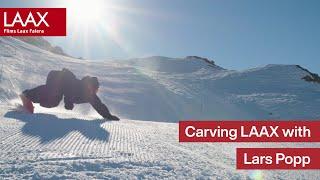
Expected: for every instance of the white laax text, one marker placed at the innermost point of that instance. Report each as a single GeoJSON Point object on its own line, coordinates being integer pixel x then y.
{"type": "Point", "coordinates": [267, 131]}
{"type": "Point", "coordinates": [30, 19]}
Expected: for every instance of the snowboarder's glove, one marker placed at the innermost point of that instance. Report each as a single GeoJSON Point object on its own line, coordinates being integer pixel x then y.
{"type": "Point", "coordinates": [115, 118]}
{"type": "Point", "coordinates": [112, 117]}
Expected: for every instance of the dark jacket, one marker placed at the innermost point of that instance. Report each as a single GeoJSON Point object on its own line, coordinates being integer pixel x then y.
{"type": "Point", "coordinates": [75, 91]}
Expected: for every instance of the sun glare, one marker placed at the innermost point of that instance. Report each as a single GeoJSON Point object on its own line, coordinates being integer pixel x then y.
{"type": "Point", "coordinates": [99, 21]}
{"type": "Point", "coordinates": [86, 12]}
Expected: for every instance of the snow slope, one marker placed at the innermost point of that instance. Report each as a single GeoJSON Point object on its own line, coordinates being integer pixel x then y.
{"type": "Point", "coordinates": [56, 143]}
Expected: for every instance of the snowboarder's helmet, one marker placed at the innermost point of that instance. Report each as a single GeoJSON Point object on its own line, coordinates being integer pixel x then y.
{"type": "Point", "coordinates": [92, 81]}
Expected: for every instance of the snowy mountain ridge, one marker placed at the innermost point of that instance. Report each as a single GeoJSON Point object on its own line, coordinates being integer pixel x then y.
{"type": "Point", "coordinates": [59, 144]}
{"type": "Point", "coordinates": [42, 43]}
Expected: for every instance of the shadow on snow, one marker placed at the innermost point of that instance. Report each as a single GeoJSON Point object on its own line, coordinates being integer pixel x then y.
{"type": "Point", "coordinates": [49, 127]}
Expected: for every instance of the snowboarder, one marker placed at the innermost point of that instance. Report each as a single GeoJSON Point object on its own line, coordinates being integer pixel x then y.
{"type": "Point", "coordinates": [75, 91]}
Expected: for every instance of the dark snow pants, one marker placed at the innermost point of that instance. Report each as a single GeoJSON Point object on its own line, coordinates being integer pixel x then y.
{"type": "Point", "coordinates": [50, 94]}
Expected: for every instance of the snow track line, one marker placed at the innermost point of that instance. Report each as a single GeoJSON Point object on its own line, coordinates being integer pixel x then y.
{"type": "Point", "coordinates": [74, 142]}
{"type": "Point", "coordinates": [67, 139]}
{"type": "Point", "coordinates": [11, 140]}
{"type": "Point", "coordinates": [77, 143]}
{"type": "Point", "coordinates": [31, 143]}
{"type": "Point", "coordinates": [8, 133]}
{"type": "Point", "coordinates": [63, 159]}
{"type": "Point", "coordinates": [84, 146]}
{"type": "Point", "coordinates": [80, 144]}
{"type": "Point", "coordinates": [106, 146]}
{"type": "Point", "coordinates": [52, 145]}
{"type": "Point", "coordinates": [25, 141]}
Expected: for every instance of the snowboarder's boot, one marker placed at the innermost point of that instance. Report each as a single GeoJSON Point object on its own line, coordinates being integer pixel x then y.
{"type": "Point", "coordinates": [27, 104]}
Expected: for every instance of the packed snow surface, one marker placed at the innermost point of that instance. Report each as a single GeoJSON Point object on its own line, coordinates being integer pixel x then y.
{"type": "Point", "coordinates": [150, 95]}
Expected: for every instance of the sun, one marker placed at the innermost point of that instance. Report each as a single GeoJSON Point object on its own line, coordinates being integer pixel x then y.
{"type": "Point", "coordinates": [102, 22]}
{"type": "Point", "coordinates": [86, 12]}
{"type": "Point", "coordinates": [94, 22]}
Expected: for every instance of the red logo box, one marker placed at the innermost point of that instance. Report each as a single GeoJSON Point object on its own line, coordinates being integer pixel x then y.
{"type": "Point", "coordinates": [278, 158]}
{"type": "Point", "coordinates": [33, 21]}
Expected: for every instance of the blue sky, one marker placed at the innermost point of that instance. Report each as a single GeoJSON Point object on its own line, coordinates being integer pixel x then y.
{"type": "Point", "coordinates": [237, 34]}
